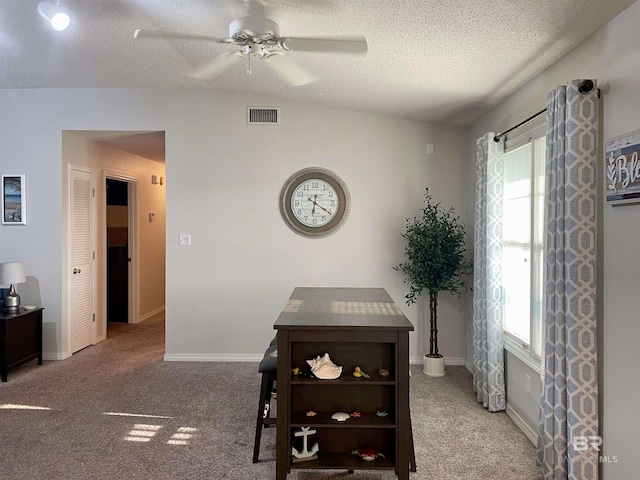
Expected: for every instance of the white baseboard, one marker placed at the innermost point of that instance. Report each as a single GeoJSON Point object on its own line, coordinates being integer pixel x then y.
{"type": "Point", "coordinates": [55, 355]}
{"type": "Point", "coordinates": [418, 360]}
{"type": "Point", "coordinates": [458, 361]}
{"type": "Point", "coordinates": [519, 421]}
{"type": "Point", "coordinates": [151, 314]}
{"type": "Point", "coordinates": [212, 357]}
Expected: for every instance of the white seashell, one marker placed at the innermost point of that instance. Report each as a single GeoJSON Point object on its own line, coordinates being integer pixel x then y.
{"type": "Point", "coordinates": [340, 416]}
{"type": "Point", "coordinates": [324, 368]}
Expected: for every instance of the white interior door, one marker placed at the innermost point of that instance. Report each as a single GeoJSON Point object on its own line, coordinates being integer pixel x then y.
{"type": "Point", "coordinates": [82, 227]}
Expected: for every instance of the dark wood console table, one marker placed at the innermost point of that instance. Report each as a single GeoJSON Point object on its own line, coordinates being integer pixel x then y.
{"type": "Point", "coordinates": [358, 327]}
{"type": "Point", "coordinates": [20, 338]}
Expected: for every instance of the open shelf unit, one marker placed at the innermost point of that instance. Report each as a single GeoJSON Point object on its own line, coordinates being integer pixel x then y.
{"type": "Point", "coordinates": [351, 341]}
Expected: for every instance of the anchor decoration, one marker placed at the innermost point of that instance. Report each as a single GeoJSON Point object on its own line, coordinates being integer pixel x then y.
{"type": "Point", "coordinates": [305, 454]}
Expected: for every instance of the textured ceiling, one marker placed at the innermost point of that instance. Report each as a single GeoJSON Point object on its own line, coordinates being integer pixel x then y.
{"type": "Point", "coordinates": [443, 61]}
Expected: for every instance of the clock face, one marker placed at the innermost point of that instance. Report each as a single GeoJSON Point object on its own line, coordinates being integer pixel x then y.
{"type": "Point", "coordinates": [314, 202]}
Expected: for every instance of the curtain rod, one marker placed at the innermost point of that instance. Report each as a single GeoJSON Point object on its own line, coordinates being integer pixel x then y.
{"type": "Point", "coordinates": [535, 115]}
{"type": "Point", "coordinates": [585, 87]}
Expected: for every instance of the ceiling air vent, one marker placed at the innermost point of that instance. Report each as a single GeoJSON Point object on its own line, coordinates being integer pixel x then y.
{"type": "Point", "coordinates": [263, 115]}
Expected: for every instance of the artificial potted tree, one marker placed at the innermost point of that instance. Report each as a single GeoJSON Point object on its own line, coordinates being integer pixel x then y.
{"type": "Point", "coordinates": [434, 245]}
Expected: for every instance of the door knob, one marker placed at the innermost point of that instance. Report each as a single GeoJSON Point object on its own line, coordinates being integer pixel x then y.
{"type": "Point", "coordinates": [76, 270]}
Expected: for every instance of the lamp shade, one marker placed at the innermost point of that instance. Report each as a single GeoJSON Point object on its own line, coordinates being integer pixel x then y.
{"type": "Point", "coordinates": [12, 272]}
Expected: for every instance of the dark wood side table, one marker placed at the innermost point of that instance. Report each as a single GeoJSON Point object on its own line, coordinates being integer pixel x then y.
{"type": "Point", "coordinates": [20, 338]}
{"type": "Point", "coordinates": [358, 327]}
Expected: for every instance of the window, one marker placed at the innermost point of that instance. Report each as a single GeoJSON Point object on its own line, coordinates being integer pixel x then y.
{"type": "Point", "coordinates": [522, 247]}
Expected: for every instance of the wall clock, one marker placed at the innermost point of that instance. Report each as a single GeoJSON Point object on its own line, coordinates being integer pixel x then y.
{"type": "Point", "coordinates": [314, 202]}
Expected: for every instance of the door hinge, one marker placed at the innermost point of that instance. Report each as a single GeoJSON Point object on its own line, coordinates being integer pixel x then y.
{"type": "Point", "coordinates": [94, 317]}
{"type": "Point", "coordinates": [94, 254]}
{"type": "Point", "coordinates": [93, 192]}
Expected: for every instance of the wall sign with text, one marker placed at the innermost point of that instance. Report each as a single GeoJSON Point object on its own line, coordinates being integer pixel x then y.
{"type": "Point", "coordinates": [622, 165]}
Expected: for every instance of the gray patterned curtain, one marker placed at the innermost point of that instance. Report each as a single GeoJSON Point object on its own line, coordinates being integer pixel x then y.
{"type": "Point", "coordinates": [569, 400]}
{"type": "Point", "coordinates": [488, 342]}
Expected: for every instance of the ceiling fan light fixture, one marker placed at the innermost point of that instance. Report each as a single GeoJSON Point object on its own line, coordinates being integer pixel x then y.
{"type": "Point", "coordinates": [54, 14]}
{"type": "Point", "coordinates": [251, 28]}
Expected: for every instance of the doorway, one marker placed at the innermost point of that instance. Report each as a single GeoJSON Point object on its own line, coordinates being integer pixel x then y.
{"type": "Point", "coordinates": [133, 159]}
{"type": "Point", "coordinates": [118, 256]}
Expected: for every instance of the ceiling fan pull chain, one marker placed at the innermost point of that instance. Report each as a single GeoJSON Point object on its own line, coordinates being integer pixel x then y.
{"type": "Point", "coordinates": [248, 64]}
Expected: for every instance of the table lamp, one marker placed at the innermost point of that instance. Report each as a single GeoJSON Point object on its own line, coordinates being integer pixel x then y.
{"type": "Point", "coordinates": [10, 274]}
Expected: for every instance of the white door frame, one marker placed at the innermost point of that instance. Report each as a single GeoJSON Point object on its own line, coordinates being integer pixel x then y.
{"type": "Point", "coordinates": [133, 244]}
{"type": "Point", "coordinates": [66, 329]}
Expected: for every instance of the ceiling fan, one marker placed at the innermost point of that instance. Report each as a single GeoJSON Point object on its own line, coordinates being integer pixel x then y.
{"type": "Point", "coordinates": [259, 37]}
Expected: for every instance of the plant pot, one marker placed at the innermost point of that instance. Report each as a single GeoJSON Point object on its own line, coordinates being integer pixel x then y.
{"type": "Point", "coordinates": [434, 366]}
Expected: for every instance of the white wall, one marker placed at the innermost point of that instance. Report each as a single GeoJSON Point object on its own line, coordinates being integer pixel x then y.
{"type": "Point", "coordinates": [226, 196]}
{"type": "Point", "coordinates": [223, 182]}
{"type": "Point", "coordinates": [523, 403]}
{"type": "Point", "coordinates": [612, 56]}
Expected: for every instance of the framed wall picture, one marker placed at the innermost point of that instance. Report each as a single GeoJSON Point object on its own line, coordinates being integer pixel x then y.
{"type": "Point", "coordinates": [14, 200]}
{"type": "Point", "coordinates": [622, 165]}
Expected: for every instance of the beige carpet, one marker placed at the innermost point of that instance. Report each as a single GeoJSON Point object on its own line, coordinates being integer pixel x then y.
{"type": "Point", "coordinates": [117, 411]}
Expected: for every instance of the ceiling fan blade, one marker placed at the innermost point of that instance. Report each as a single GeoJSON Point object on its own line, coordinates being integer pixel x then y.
{"type": "Point", "coordinates": [177, 36]}
{"type": "Point", "coordinates": [292, 73]}
{"type": "Point", "coordinates": [218, 65]}
{"type": "Point", "coordinates": [356, 45]}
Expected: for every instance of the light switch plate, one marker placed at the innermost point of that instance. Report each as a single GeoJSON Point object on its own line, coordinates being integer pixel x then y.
{"type": "Point", "coordinates": [184, 240]}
